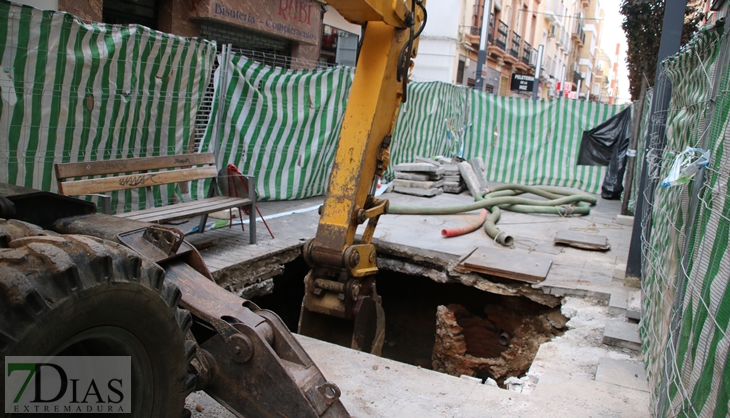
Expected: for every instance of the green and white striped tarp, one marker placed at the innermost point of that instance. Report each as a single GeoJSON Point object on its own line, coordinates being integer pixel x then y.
{"type": "Point", "coordinates": [535, 142]}
{"type": "Point", "coordinates": [279, 125]}
{"type": "Point", "coordinates": [75, 91]}
{"type": "Point", "coordinates": [687, 365]}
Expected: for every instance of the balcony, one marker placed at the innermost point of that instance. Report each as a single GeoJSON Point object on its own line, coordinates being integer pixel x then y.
{"type": "Point", "coordinates": [554, 10]}
{"type": "Point", "coordinates": [548, 67]}
{"type": "Point", "coordinates": [527, 54]}
{"type": "Point", "coordinates": [579, 36]}
{"type": "Point", "coordinates": [500, 40]}
{"type": "Point", "coordinates": [474, 31]}
{"type": "Point", "coordinates": [515, 45]}
{"type": "Point", "coordinates": [524, 64]}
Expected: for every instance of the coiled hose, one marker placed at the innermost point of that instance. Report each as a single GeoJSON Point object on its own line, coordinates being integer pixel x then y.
{"type": "Point", "coordinates": [506, 197]}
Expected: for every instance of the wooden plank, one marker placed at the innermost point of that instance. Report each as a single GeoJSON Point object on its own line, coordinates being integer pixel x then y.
{"type": "Point", "coordinates": [186, 209]}
{"type": "Point", "coordinates": [134, 181]}
{"type": "Point", "coordinates": [510, 264]}
{"type": "Point", "coordinates": [582, 240]}
{"type": "Point", "coordinates": [131, 165]}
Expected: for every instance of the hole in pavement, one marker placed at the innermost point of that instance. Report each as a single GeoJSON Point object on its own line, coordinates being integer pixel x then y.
{"type": "Point", "coordinates": [451, 328]}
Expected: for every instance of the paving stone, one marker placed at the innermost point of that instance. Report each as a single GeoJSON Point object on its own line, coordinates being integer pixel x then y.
{"type": "Point", "coordinates": [633, 308]}
{"type": "Point", "coordinates": [619, 271]}
{"type": "Point", "coordinates": [454, 188]}
{"type": "Point", "coordinates": [417, 184]}
{"type": "Point", "coordinates": [451, 170]}
{"type": "Point", "coordinates": [453, 179]}
{"type": "Point", "coordinates": [470, 178]}
{"type": "Point", "coordinates": [618, 303]}
{"type": "Point", "coordinates": [480, 170]}
{"type": "Point", "coordinates": [622, 334]}
{"type": "Point", "coordinates": [405, 175]}
{"type": "Point", "coordinates": [419, 192]}
{"type": "Point", "coordinates": [625, 220]}
{"type": "Point", "coordinates": [419, 167]}
{"type": "Point", "coordinates": [626, 373]}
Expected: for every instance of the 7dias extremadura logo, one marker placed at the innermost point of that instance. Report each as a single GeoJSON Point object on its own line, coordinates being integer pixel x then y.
{"type": "Point", "coordinates": [72, 384]}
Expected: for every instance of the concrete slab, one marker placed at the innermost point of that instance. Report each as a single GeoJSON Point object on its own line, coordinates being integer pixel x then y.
{"type": "Point", "coordinates": [630, 374]}
{"type": "Point", "coordinates": [418, 191]}
{"type": "Point", "coordinates": [470, 178]}
{"type": "Point", "coordinates": [622, 334]}
{"type": "Point", "coordinates": [419, 168]}
{"type": "Point", "coordinates": [625, 220]}
{"type": "Point", "coordinates": [404, 175]}
{"type": "Point", "coordinates": [619, 271]}
{"type": "Point", "coordinates": [618, 303]}
{"type": "Point", "coordinates": [633, 308]}
{"type": "Point", "coordinates": [416, 184]}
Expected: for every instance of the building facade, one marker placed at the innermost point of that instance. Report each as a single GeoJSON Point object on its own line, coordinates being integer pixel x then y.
{"type": "Point", "coordinates": [288, 28]}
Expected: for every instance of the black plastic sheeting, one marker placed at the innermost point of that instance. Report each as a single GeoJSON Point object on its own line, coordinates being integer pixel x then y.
{"type": "Point", "coordinates": [606, 145]}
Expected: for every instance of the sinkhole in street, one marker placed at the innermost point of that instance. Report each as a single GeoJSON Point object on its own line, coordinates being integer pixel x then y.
{"type": "Point", "coordinates": [451, 328]}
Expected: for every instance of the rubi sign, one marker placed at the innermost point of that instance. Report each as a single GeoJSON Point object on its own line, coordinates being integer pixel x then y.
{"type": "Point", "coordinates": [298, 10]}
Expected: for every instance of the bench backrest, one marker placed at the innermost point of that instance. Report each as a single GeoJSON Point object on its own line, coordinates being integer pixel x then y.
{"type": "Point", "coordinates": [135, 173]}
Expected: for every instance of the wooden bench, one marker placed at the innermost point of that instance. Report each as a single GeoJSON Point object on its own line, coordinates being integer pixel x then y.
{"type": "Point", "coordinates": [146, 172]}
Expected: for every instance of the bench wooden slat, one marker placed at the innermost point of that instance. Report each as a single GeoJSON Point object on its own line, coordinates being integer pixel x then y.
{"type": "Point", "coordinates": [192, 205]}
{"type": "Point", "coordinates": [134, 181]}
{"type": "Point", "coordinates": [131, 165]}
{"type": "Point", "coordinates": [186, 209]}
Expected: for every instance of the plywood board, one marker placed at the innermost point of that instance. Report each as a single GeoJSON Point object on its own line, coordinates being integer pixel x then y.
{"type": "Point", "coordinates": [582, 240]}
{"type": "Point", "coordinates": [510, 264]}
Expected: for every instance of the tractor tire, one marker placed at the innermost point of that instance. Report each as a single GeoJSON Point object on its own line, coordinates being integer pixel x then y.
{"type": "Point", "coordinates": [66, 295]}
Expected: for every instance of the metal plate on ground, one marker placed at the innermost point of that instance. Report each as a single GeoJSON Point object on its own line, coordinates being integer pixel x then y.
{"type": "Point", "coordinates": [582, 240]}
{"type": "Point", "coordinates": [510, 264]}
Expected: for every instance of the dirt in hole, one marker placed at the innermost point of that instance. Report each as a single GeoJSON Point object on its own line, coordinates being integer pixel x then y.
{"type": "Point", "coordinates": [411, 304]}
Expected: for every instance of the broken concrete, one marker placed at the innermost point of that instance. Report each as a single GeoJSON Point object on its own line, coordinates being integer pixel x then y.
{"type": "Point", "coordinates": [253, 278]}
{"type": "Point", "coordinates": [566, 366]}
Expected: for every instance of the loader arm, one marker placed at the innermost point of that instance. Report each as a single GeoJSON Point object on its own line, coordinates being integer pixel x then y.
{"type": "Point", "coordinates": [341, 280]}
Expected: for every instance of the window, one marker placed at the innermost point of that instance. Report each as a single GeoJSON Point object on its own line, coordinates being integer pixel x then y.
{"type": "Point", "coordinates": [124, 12]}
{"type": "Point", "coordinates": [338, 46]}
{"type": "Point", "coordinates": [460, 70]}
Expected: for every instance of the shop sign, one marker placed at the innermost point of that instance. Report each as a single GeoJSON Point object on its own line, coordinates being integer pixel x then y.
{"type": "Point", "coordinates": [522, 82]}
{"type": "Point", "coordinates": [300, 20]}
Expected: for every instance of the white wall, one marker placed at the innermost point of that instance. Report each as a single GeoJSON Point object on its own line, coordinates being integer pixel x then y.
{"type": "Point", "coordinates": [437, 57]}
{"type": "Point", "coordinates": [40, 4]}
{"type": "Point", "coordinates": [334, 19]}
{"type": "Point", "coordinates": [435, 60]}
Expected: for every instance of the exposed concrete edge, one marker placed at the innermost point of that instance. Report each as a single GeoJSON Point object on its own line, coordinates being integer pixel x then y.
{"type": "Point", "coordinates": [237, 277]}
{"type": "Point", "coordinates": [439, 267]}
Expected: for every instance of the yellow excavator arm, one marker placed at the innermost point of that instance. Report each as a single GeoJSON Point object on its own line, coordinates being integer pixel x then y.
{"type": "Point", "coordinates": [341, 280]}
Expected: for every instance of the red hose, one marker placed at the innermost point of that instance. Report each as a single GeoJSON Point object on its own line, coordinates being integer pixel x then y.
{"type": "Point", "coordinates": [470, 227]}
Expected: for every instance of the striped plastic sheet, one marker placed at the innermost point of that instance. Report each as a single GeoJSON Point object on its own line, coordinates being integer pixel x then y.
{"type": "Point", "coordinates": [278, 125]}
{"type": "Point", "coordinates": [75, 91]}
{"type": "Point", "coordinates": [687, 364]}
{"type": "Point", "coordinates": [535, 142]}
